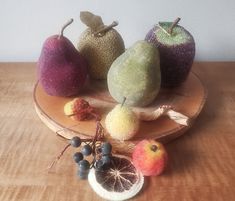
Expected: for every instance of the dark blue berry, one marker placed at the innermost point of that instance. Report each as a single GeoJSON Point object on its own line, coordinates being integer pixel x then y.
{"type": "Point", "coordinates": [75, 141]}
{"type": "Point", "coordinates": [83, 165]}
{"type": "Point", "coordinates": [78, 156]}
{"type": "Point", "coordinates": [106, 159]}
{"type": "Point", "coordinates": [106, 148]}
{"type": "Point", "coordinates": [86, 150]}
{"type": "Point", "coordinates": [99, 164]}
{"type": "Point", "coordinates": [82, 174]}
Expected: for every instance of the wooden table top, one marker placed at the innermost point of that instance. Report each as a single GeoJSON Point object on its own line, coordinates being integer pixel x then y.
{"type": "Point", "coordinates": [202, 162]}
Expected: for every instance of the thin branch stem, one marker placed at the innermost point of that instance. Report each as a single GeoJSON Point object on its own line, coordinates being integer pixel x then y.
{"type": "Point", "coordinates": [58, 157]}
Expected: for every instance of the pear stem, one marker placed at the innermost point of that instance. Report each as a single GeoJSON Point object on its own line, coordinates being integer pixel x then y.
{"type": "Point", "coordinates": [123, 102]}
{"type": "Point", "coordinates": [103, 30]}
{"type": "Point", "coordinates": [173, 25]}
{"type": "Point", "coordinates": [64, 26]}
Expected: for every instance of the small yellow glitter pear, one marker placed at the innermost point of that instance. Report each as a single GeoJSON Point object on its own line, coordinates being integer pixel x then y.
{"type": "Point", "coordinates": [122, 123]}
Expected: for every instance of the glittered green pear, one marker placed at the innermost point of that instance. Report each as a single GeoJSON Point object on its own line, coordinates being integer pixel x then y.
{"type": "Point", "coordinates": [136, 75]}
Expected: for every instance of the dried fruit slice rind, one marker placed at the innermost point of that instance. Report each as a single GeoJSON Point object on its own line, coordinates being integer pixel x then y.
{"type": "Point", "coordinates": [126, 185]}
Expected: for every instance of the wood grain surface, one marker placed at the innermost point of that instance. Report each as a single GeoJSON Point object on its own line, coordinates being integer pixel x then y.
{"type": "Point", "coordinates": [201, 167]}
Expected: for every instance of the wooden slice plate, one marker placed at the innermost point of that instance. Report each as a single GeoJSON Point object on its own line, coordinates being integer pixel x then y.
{"type": "Point", "coordinates": [187, 99]}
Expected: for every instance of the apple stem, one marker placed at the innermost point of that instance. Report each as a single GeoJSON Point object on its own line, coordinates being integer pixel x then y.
{"type": "Point", "coordinates": [173, 25]}
{"type": "Point", "coordinates": [123, 102]}
{"type": "Point", "coordinates": [154, 148]}
{"type": "Point", "coordinates": [103, 30]}
{"type": "Point", "coordinates": [64, 26]}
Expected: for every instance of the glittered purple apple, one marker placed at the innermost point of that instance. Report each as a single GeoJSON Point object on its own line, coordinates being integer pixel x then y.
{"type": "Point", "coordinates": [177, 50]}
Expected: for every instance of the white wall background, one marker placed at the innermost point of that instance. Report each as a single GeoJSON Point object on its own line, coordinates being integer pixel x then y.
{"type": "Point", "coordinates": [25, 24]}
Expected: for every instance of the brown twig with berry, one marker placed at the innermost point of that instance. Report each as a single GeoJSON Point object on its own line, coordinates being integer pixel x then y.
{"type": "Point", "coordinates": [100, 150]}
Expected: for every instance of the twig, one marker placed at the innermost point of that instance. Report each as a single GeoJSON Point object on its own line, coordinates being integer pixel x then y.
{"type": "Point", "coordinates": [58, 157]}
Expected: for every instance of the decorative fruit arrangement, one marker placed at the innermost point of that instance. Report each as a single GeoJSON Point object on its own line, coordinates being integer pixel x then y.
{"type": "Point", "coordinates": [134, 78]}
{"type": "Point", "coordinates": [111, 176]}
{"type": "Point", "coordinates": [177, 50]}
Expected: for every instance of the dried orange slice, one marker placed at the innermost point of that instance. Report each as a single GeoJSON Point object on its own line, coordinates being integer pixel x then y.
{"type": "Point", "coordinates": [120, 181]}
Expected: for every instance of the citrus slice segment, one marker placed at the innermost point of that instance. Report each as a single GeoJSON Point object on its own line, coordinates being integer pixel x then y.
{"type": "Point", "coordinates": [120, 181]}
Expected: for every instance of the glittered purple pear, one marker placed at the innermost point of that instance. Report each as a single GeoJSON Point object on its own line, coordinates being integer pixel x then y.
{"type": "Point", "coordinates": [62, 71]}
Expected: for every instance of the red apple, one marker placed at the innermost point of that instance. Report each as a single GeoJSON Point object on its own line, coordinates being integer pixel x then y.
{"type": "Point", "coordinates": [150, 157]}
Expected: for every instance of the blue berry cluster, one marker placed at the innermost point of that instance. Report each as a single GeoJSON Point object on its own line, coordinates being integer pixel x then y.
{"type": "Point", "coordinates": [102, 156]}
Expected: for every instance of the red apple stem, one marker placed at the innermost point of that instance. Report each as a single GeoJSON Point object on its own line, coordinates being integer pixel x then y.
{"type": "Point", "coordinates": [103, 30]}
{"type": "Point", "coordinates": [64, 26]}
{"type": "Point", "coordinates": [173, 25]}
{"type": "Point", "coordinates": [154, 148]}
